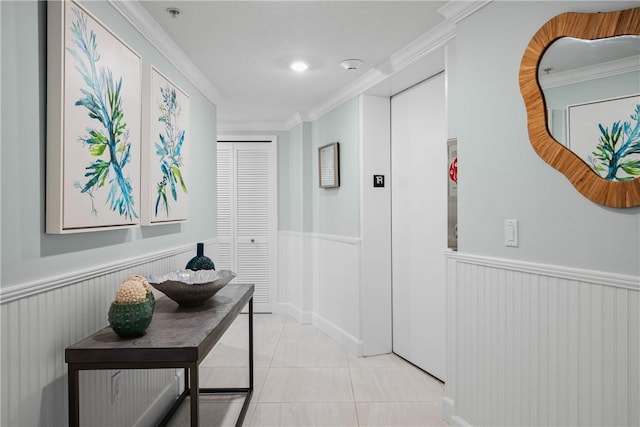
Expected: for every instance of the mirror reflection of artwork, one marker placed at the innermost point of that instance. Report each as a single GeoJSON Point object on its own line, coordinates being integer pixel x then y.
{"type": "Point", "coordinates": [606, 135]}
{"type": "Point", "coordinates": [576, 71]}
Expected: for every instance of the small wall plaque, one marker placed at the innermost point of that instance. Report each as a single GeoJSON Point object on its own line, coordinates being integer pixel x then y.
{"type": "Point", "coordinates": [378, 180]}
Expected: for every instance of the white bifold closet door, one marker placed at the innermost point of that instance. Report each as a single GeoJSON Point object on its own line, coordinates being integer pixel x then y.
{"type": "Point", "coordinates": [246, 216]}
{"type": "Point", "coordinates": [419, 224]}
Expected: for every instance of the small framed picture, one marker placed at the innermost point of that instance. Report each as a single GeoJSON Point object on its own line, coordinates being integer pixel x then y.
{"type": "Point", "coordinates": [329, 165]}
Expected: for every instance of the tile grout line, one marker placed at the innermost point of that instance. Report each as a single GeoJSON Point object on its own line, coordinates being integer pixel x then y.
{"type": "Point", "coordinates": [351, 365]}
{"type": "Point", "coordinates": [268, 369]}
{"type": "Point", "coordinates": [353, 393]}
{"type": "Point", "coordinates": [256, 400]}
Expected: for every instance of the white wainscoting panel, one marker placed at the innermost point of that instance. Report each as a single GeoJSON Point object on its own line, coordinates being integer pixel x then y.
{"type": "Point", "coordinates": [39, 320]}
{"type": "Point", "coordinates": [319, 283]}
{"type": "Point", "coordinates": [336, 288]}
{"type": "Point", "coordinates": [291, 276]}
{"type": "Point", "coordinates": [531, 344]}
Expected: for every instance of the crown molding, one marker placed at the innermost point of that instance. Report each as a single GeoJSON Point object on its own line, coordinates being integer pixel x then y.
{"type": "Point", "coordinates": [253, 126]}
{"type": "Point", "coordinates": [456, 10]}
{"type": "Point", "coordinates": [414, 51]}
{"type": "Point", "coordinates": [142, 21]}
{"type": "Point", "coordinates": [418, 49]}
{"type": "Point", "coordinates": [297, 119]}
{"type": "Point", "coordinates": [287, 125]}
{"type": "Point", "coordinates": [591, 72]}
{"type": "Point", "coordinates": [368, 80]}
{"type": "Point", "coordinates": [293, 121]}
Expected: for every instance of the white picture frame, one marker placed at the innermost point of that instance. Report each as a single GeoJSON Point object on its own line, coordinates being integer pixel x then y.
{"type": "Point", "coordinates": [166, 146]}
{"type": "Point", "coordinates": [93, 124]}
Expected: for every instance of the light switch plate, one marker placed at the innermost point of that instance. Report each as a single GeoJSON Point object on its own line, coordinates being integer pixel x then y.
{"type": "Point", "coordinates": [511, 233]}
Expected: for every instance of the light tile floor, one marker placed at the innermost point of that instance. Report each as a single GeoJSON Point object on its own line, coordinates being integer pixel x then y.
{"type": "Point", "coordinates": [303, 378]}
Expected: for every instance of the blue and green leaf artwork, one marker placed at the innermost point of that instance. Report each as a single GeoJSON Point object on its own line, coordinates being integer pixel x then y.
{"type": "Point", "coordinates": [617, 155]}
{"type": "Point", "coordinates": [108, 139]}
{"type": "Point", "coordinates": [168, 150]}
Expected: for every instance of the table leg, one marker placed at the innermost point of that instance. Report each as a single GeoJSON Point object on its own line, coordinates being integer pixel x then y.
{"type": "Point", "coordinates": [194, 388]}
{"type": "Point", "coordinates": [74, 404]}
{"type": "Point", "coordinates": [251, 344]}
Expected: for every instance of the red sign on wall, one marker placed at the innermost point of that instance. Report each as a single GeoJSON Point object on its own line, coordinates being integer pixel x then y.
{"type": "Point", "coordinates": [453, 170]}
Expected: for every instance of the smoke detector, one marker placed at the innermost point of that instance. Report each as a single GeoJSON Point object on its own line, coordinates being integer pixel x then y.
{"type": "Point", "coordinates": [173, 11]}
{"type": "Point", "coordinates": [351, 64]}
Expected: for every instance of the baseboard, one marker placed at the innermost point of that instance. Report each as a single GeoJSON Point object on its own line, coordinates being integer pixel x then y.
{"type": "Point", "coordinates": [458, 421]}
{"type": "Point", "coordinates": [448, 409]}
{"type": "Point", "coordinates": [302, 317]}
{"type": "Point", "coordinates": [353, 345]}
{"type": "Point", "coordinates": [163, 402]}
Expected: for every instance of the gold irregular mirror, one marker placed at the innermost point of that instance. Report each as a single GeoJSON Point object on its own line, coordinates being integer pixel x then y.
{"type": "Point", "coordinates": [595, 141]}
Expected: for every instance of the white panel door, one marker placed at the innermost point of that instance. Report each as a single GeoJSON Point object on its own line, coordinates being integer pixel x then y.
{"type": "Point", "coordinates": [246, 216]}
{"type": "Point", "coordinates": [225, 208]}
{"type": "Point", "coordinates": [419, 224]}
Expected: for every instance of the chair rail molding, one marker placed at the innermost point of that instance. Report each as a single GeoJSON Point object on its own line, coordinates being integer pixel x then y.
{"type": "Point", "coordinates": [561, 272]}
{"type": "Point", "coordinates": [35, 287]}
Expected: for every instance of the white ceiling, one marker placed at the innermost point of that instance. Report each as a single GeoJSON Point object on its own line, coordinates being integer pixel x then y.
{"type": "Point", "coordinates": [243, 49]}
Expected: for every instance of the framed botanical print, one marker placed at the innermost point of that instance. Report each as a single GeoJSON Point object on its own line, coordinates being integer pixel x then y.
{"type": "Point", "coordinates": [93, 124]}
{"type": "Point", "coordinates": [166, 144]}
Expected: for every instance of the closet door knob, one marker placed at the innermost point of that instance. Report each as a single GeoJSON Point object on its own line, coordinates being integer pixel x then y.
{"type": "Point", "coordinates": [253, 240]}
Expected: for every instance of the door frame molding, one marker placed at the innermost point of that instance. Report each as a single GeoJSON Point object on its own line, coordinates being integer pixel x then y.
{"type": "Point", "coordinates": [273, 140]}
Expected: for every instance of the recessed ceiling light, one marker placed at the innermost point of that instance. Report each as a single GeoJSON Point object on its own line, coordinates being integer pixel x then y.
{"type": "Point", "coordinates": [299, 66]}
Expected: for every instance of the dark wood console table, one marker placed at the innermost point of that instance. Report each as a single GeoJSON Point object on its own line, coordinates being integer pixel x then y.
{"type": "Point", "coordinates": [176, 338]}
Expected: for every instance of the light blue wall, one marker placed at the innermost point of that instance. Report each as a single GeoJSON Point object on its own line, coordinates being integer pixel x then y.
{"type": "Point", "coordinates": [336, 211]}
{"type": "Point", "coordinates": [302, 205]}
{"type": "Point", "coordinates": [294, 179]}
{"type": "Point", "coordinates": [309, 181]}
{"type": "Point", "coordinates": [502, 177]}
{"type": "Point", "coordinates": [28, 253]}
